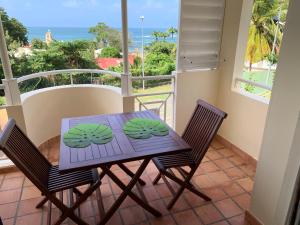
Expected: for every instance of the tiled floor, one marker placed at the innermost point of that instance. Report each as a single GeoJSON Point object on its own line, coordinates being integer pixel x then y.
{"type": "Point", "coordinates": [224, 176]}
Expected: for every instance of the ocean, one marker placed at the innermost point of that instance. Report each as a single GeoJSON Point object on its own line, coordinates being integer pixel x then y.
{"type": "Point", "coordinates": [82, 33]}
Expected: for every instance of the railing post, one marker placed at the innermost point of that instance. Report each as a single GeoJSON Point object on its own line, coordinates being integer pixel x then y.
{"type": "Point", "coordinates": [11, 89]}
{"type": "Point", "coordinates": [125, 77]}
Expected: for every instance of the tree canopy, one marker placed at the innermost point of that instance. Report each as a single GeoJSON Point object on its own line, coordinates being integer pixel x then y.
{"type": "Point", "coordinates": [110, 52]}
{"type": "Point", "coordinates": [15, 31]}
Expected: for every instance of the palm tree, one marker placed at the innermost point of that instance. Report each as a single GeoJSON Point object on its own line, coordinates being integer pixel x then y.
{"type": "Point", "coordinates": [171, 31]}
{"type": "Point", "coordinates": [156, 35]}
{"type": "Point", "coordinates": [262, 30]}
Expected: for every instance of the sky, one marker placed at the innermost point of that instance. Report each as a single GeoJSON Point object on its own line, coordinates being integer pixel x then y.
{"type": "Point", "coordinates": [86, 13]}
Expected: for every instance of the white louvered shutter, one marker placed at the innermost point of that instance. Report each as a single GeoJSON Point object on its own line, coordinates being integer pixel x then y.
{"type": "Point", "coordinates": [200, 33]}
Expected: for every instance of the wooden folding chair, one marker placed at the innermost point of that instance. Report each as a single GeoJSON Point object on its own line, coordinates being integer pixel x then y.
{"type": "Point", "coordinates": [199, 133]}
{"type": "Point", "coordinates": [46, 177]}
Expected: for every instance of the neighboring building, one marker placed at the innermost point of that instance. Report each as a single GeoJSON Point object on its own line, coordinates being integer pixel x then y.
{"type": "Point", "coordinates": [106, 63]}
{"type": "Point", "coordinates": [48, 37]}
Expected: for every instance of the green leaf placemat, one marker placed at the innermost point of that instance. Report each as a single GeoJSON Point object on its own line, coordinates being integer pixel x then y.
{"type": "Point", "coordinates": [139, 128]}
{"type": "Point", "coordinates": [83, 135]}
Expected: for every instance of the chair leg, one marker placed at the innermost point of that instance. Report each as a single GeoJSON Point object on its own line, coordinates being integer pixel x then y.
{"type": "Point", "coordinates": [49, 213]}
{"type": "Point", "coordinates": [175, 198]}
{"type": "Point", "coordinates": [157, 178]}
{"type": "Point", "coordinates": [42, 203]}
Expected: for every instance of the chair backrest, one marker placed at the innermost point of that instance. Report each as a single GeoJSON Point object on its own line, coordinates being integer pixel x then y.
{"type": "Point", "coordinates": [23, 153]}
{"type": "Point", "coordinates": [202, 128]}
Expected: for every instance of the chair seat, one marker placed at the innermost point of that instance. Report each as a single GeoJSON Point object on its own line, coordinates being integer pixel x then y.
{"type": "Point", "coordinates": [58, 182]}
{"type": "Point", "coordinates": [177, 160]}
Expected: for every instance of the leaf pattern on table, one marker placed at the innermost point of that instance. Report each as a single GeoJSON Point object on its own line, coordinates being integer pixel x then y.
{"type": "Point", "coordinates": [139, 128]}
{"type": "Point", "coordinates": [83, 135]}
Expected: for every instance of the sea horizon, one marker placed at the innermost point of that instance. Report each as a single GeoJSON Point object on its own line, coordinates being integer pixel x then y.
{"type": "Point", "coordinates": [82, 33]}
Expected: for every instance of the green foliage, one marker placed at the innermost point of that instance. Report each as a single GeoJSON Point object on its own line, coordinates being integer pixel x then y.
{"type": "Point", "coordinates": [107, 36]}
{"type": "Point", "coordinates": [38, 44]}
{"type": "Point", "coordinates": [15, 30]}
{"type": "Point", "coordinates": [139, 128]}
{"type": "Point", "coordinates": [249, 87]}
{"type": "Point", "coordinates": [171, 31]}
{"type": "Point", "coordinates": [110, 52]}
{"type": "Point", "coordinates": [2, 101]}
{"type": "Point", "coordinates": [83, 135]}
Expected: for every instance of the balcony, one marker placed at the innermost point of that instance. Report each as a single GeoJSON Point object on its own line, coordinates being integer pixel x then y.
{"type": "Point", "coordinates": [251, 167]}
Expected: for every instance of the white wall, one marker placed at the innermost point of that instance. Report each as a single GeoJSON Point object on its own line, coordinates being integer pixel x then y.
{"type": "Point", "coordinates": [190, 86]}
{"type": "Point", "coordinates": [43, 109]}
{"type": "Point", "coordinates": [246, 116]}
{"type": "Point", "coordinates": [278, 163]}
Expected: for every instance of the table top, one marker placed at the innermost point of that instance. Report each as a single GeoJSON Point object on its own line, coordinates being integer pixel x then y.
{"type": "Point", "coordinates": [121, 149]}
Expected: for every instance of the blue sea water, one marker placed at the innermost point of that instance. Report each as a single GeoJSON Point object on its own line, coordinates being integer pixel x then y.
{"type": "Point", "coordinates": [82, 33]}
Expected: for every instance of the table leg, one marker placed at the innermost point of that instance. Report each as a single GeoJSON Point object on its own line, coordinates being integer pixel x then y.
{"type": "Point", "coordinates": [127, 191]}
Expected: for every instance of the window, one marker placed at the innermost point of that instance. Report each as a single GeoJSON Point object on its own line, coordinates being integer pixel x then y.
{"type": "Point", "coordinates": [263, 47]}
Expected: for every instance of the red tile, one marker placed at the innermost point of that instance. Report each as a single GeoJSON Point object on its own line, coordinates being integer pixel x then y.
{"type": "Point", "coordinates": [9, 196]}
{"type": "Point", "coordinates": [228, 208]}
{"type": "Point", "coordinates": [215, 194]}
{"type": "Point", "coordinates": [233, 189]}
{"type": "Point", "coordinates": [209, 167]}
{"type": "Point", "coordinates": [237, 220]}
{"type": "Point", "coordinates": [165, 220]}
{"type": "Point", "coordinates": [219, 177]}
{"type": "Point", "coordinates": [243, 200]}
{"type": "Point", "coordinates": [30, 192]}
{"type": "Point", "coordinates": [132, 215]}
{"type": "Point", "coordinates": [235, 173]}
{"type": "Point", "coordinates": [150, 193]}
{"type": "Point", "coordinates": [12, 183]}
{"type": "Point", "coordinates": [160, 206]}
{"type": "Point", "coordinates": [208, 214]}
{"type": "Point", "coordinates": [223, 163]}
{"type": "Point", "coordinates": [180, 204]}
{"type": "Point", "coordinates": [213, 155]}
{"type": "Point", "coordinates": [27, 183]}
{"type": "Point", "coordinates": [216, 145]}
{"type": "Point", "coordinates": [182, 217]}
{"type": "Point", "coordinates": [246, 183]}
{"type": "Point", "coordinates": [203, 181]}
{"type": "Point", "coordinates": [248, 169]}
{"type": "Point", "coordinates": [28, 206]}
{"type": "Point", "coordinates": [14, 174]}
{"type": "Point", "coordinates": [194, 200]}
{"type": "Point", "coordinates": [32, 219]}
{"type": "Point", "coordinates": [105, 190]}
{"type": "Point", "coordinates": [128, 202]}
{"type": "Point", "coordinates": [226, 152]}
{"type": "Point", "coordinates": [224, 222]}
{"type": "Point", "coordinates": [163, 190]}
{"type": "Point", "coordinates": [8, 210]}
{"type": "Point", "coordinates": [236, 160]}
{"type": "Point", "coordinates": [8, 221]}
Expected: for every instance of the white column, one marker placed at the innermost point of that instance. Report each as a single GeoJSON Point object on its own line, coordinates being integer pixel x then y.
{"type": "Point", "coordinates": [126, 78]}
{"type": "Point", "coordinates": [12, 93]}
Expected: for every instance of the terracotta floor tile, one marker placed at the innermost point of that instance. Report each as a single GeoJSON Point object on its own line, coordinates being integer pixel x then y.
{"type": "Point", "coordinates": [32, 219]}
{"type": "Point", "coordinates": [87, 209]}
{"type": "Point", "coordinates": [219, 177]}
{"type": "Point", "coordinates": [200, 170]}
{"type": "Point", "coordinates": [223, 163]}
{"type": "Point", "coordinates": [28, 206]}
{"type": "Point", "coordinates": [233, 189]}
{"type": "Point", "coordinates": [114, 220]}
{"type": "Point", "coordinates": [14, 174]}
{"type": "Point", "coordinates": [12, 183]}
{"type": "Point", "coordinates": [8, 221]}
{"type": "Point", "coordinates": [128, 202]}
{"type": "Point", "coordinates": [216, 145]}
{"type": "Point", "coordinates": [151, 193]}
{"type": "Point", "coordinates": [209, 167]}
{"type": "Point", "coordinates": [194, 200]}
{"type": "Point", "coordinates": [213, 155]}
{"type": "Point", "coordinates": [30, 192]}
{"type": "Point", "coordinates": [107, 202]}
{"type": "Point", "coordinates": [228, 208]}
{"type": "Point", "coordinates": [8, 210]}
{"type": "Point", "coordinates": [180, 204]}
{"type": "Point", "coordinates": [165, 220]}
{"type": "Point", "coordinates": [162, 190]}
{"type": "Point", "coordinates": [188, 216]}
{"type": "Point", "coordinates": [237, 220]}
{"type": "Point", "coordinates": [133, 215]}
{"type": "Point", "coordinates": [27, 183]}
{"type": "Point", "coordinates": [243, 200]}
{"type": "Point", "coordinates": [208, 214]}
{"type": "Point", "coordinates": [203, 181]}
{"type": "Point", "coordinates": [246, 183]}
{"type": "Point", "coordinates": [105, 190]}
{"type": "Point", "coordinates": [226, 152]}
{"type": "Point", "coordinates": [236, 160]}
{"type": "Point", "coordinates": [249, 170]}
{"type": "Point", "coordinates": [160, 206]}
{"type": "Point", "coordinates": [215, 194]}
{"type": "Point", "coordinates": [235, 173]}
{"type": "Point", "coordinates": [9, 196]}
{"type": "Point", "coordinates": [224, 222]}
